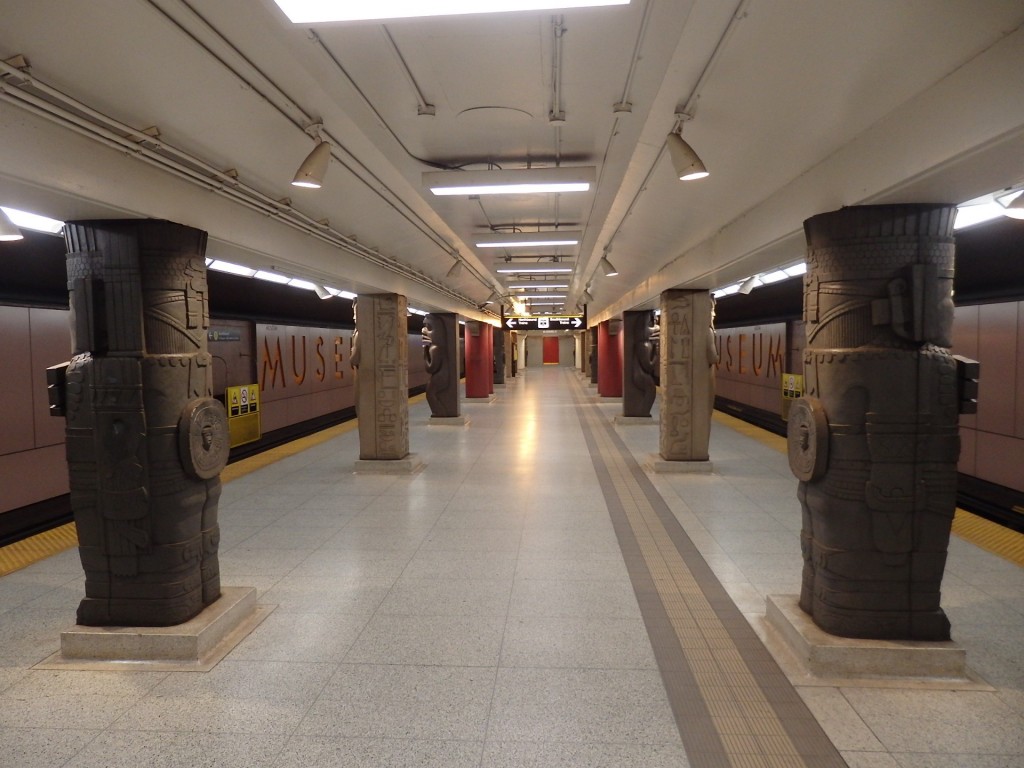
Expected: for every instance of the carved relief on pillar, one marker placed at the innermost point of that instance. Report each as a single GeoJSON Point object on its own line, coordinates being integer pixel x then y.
{"type": "Point", "coordinates": [440, 356]}
{"type": "Point", "coordinates": [146, 441]}
{"type": "Point", "coordinates": [687, 354]}
{"type": "Point", "coordinates": [380, 355]}
{"type": "Point", "coordinates": [641, 366]}
{"type": "Point", "coordinates": [875, 441]}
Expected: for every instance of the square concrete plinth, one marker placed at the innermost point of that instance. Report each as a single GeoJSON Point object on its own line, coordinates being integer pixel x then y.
{"type": "Point", "coordinates": [486, 400]}
{"type": "Point", "coordinates": [659, 465]}
{"type": "Point", "coordinates": [629, 421]}
{"type": "Point", "coordinates": [448, 421]}
{"type": "Point", "coordinates": [407, 466]}
{"type": "Point", "coordinates": [825, 655]}
{"type": "Point", "coordinates": [198, 644]}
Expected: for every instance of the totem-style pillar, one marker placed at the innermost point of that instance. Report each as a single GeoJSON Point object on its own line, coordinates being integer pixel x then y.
{"type": "Point", "coordinates": [609, 343]}
{"type": "Point", "coordinates": [380, 355]}
{"type": "Point", "coordinates": [640, 365]}
{"type": "Point", "coordinates": [477, 361]}
{"type": "Point", "coordinates": [499, 356]}
{"type": "Point", "coordinates": [440, 356]}
{"type": "Point", "coordinates": [146, 441]}
{"type": "Point", "coordinates": [688, 357]}
{"type": "Point", "coordinates": [875, 440]}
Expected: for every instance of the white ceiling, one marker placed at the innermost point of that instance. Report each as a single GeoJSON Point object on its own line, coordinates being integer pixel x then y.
{"type": "Point", "coordinates": [797, 108]}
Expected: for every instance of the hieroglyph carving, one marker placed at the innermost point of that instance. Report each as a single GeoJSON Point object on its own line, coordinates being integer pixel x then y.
{"type": "Point", "coordinates": [380, 356]}
{"type": "Point", "coordinates": [688, 356]}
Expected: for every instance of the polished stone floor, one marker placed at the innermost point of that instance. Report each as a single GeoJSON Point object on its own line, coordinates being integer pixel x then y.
{"type": "Point", "coordinates": [481, 613]}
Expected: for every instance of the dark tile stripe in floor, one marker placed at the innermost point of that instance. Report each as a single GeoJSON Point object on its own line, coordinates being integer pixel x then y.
{"type": "Point", "coordinates": [733, 705]}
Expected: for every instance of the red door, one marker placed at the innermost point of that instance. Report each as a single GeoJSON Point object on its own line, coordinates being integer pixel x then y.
{"type": "Point", "coordinates": [550, 350]}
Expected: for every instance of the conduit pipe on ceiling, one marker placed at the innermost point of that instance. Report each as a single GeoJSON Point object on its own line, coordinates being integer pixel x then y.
{"type": "Point", "coordinates": [121, 137]}
{"type": "Point", "coordinates": [398, 205]}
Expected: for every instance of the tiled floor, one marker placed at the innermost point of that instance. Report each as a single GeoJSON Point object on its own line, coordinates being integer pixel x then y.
{"type": "Point", "coordinates": [480, 613]}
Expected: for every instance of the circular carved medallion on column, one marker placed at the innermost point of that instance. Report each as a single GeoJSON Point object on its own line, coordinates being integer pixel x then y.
{"type": "Point", "coordinates": [807, 437]}
{"type": "Point", "coordinates": [203, 440]}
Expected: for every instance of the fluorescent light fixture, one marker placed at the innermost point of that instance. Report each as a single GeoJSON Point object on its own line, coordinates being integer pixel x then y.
{"type": "Point", "coordinates": [529, 239]}
{"type": "Point", "coordinates": [304, 284]}
{"type": "Point", "coordinates": [233, 269]}
{"type": "Point", "coordinates": [319, 11]}
{"type": "Point", "coordinates": [796, 269]}
{"type": "Point", "coordinates": [534, 270]}
{"type": "Point", "coordinates": [538, 285]}
{"type": "Point", "coordinates": [532, 298]}
{"type": "Point", "coordinates": [33, 221]}
{"type": "Point", "coordinates": [313, 169]}
{"type": "Point", "coordinates": [272, 277]}
{"type": "Point", "coordinates": [414, 311]}
{"type": "Point", "coordinates": [774, 277]}
{"type": "Point", "coordinates": [608, 268]}
{"type": "Point", "coordinates": [346, 294]}
{"type": "Point", "coordinates": [8, 232]}
{"type": "Point", "coordinates": [522, 181]}
{"type": "Point", "coordinates": [685, 161]}
{"type": "Point", "coordinates": [546, 303]}
{"type": "Point", "coordinates": [729, 290]}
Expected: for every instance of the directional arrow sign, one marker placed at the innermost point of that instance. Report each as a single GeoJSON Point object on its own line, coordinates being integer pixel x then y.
{"type": "Point", "coordinates": [545, 322]}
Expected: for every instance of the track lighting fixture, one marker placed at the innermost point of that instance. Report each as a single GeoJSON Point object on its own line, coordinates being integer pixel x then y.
{"type": "Point", "coordinates": [749, 284]}
{"type": "Point", "coordinates": [322, 292]}
{"type": "Point", "coordinates": [587, 296]}
{"type": "Point", "coordinates": [456, 269]}
{"type": "Point", "coordinates": [8, 232]}
{"type": "Point", "coordinates": [687, 164]}
{"type": "Point", "coordinates": [313, 169]}
{"type": "Point", "coordinates": [1015, 208]}
{"type": "Point", "coordinates": [493, 297]}
{"type": "Point", "coordinates": [607, 267]}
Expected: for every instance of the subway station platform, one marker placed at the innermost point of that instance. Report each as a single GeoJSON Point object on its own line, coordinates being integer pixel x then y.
{"type": "Point", "coordinates": [530, 597]}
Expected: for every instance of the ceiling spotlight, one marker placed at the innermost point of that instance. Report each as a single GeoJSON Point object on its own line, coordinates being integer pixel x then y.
{"type": "Point", "coordinates": [456, 269]}
{"type": "Point", "coordinates": [587, 296]}
{"type": "Point", "coordinates": [313, 169]}
{"type": "Point", "coordinates": [523, 181]}
{"type": "Point", "coordinates": [749, 284]}
{"type": "Point", "coordinates": [685, 161]}
{"type": "Point", "coordinates": [608, 268]}
{"type": "Point", "coordinates": [493, 297]}
{"type": "Point", "coordinates": [8, 232]}
{"type": "Point", "coordinates": [322, 292]}
{"type": "Point", "coordinates": [553, 237]}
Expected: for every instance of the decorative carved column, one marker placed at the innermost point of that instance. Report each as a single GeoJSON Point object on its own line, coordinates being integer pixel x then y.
{"type": "Point", "coordinates": [440, 355]}
{"type": "Point", "coordinates": [687, 374]}
{"type": "Point", "coordinates": [875, 440]}
{"type": "Point", "coordinates": [640, 365]}
{"type": "Point", "coordinates": [145, 439]}
{"type": "Point", "coordinates": [380, 355]}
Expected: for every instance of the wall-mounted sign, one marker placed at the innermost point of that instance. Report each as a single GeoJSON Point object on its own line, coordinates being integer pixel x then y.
{"type": "Point", "coordinates": [243, 407]}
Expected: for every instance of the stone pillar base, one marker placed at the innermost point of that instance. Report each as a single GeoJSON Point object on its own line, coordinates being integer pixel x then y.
{"type": "Point", "coordinates": [448, 421]}
{"type": "Point", "coordinates": [407, 466]}
{"type": "Point", "coordinates": [198, 644]}
{"type": "Point", "coordinates": [486, 399]}
{"type": "Point", "coordinates": [626, 421]}
{"type": "Point", "coordinates": [825, 655]}
{"type": "Point", "coordinates": [659, 466]}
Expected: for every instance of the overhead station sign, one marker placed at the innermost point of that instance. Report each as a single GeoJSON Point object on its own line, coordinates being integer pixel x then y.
{"type": "Point", "coordinates": [545, 323]}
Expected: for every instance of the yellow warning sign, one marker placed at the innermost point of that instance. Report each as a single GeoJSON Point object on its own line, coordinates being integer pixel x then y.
{"type": "Point", "coordinates": [243, 406]}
